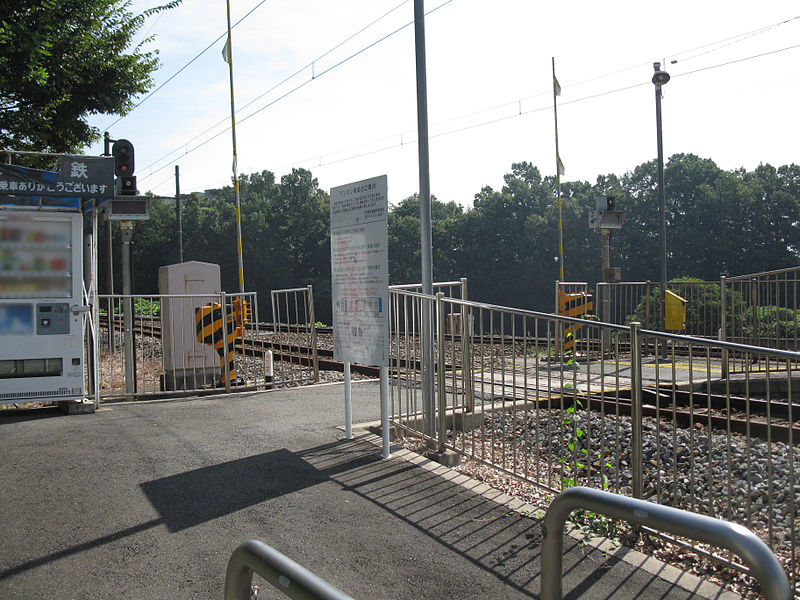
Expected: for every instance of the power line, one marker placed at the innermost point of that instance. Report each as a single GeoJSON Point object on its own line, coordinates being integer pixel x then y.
{"type": "Point", "coordinates": [325, 72]}
{"type": "Point", "coordinates": [184, 67]}
{"type": "Point", "coordinates": [733, 39]}
{"type": "Point", "coordinates": [285, 80]}
{"type": "Point", "coordinates": [738, 60]}
{"type": "Point", "coordinates": [520, 113]}
{"type": "Point", "coordinates": [533, 110]}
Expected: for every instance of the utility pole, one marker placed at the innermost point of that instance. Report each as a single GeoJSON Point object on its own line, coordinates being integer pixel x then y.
{"type": "Point", "coordinates": [127, 312]}
{"type": "Point", "coordinates": [178, 209]}
{"type": "Point", "coordinates": [660, 78]}
{"type": "Point", "coordinates": [428, 399]}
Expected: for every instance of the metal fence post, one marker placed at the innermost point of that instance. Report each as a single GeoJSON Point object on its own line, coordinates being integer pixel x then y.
{"type": "Point", "coordinates": [559, 326]}
{"type": "Point", "coordinates": [274, 314]}
{"type": "Point", "coordinates": [466, 350]}
{"type": "Point", "coordinates": [313, 325]}
{"type": "Point", "coordinates": [723, 323]}
{"type": "Point", "coordinates": [224, 372]}
{"type": "Point", "coordinates": [466, 357]}
{"type": "Point", "coordinates": [636, 410]}
{"type": "Point", "coordinates": [440, 373]}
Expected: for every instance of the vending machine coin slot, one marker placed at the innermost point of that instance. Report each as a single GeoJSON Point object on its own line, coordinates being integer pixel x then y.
{"type": "Point", "coordinates": [52, 318]}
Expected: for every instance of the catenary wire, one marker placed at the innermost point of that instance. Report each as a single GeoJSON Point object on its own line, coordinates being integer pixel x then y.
{"type": "Point", "coordinates": [541, 109]}
{"type": "Point", "coordinates": [489, 122]}
{"type": "Point", "coordinates": [279, 84]}
{"type": "Point", "coordinates": [730, 40]}
{"type": "Point", "coordinates": [326, 71]}
{"type": "Point", "coordinates": [184, 67]}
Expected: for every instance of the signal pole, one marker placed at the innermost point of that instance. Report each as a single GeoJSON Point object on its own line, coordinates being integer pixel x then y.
{"type": "Point", "coordinates": [178, 209]}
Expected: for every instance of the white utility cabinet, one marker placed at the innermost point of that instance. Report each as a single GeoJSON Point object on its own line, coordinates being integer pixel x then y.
{"type": "Point", "coordinates": [187, 364]}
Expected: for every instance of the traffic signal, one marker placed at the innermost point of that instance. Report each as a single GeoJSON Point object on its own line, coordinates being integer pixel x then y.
{"type": "Point", "coordinates": [610, 201]}
{"type": "Point", "coordinates": [123, 167]}
{"type": "Point", "coordinates": [123, 158]}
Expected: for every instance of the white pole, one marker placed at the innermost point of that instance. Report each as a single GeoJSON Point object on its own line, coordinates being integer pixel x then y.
{"type": "Point", "coordinates": [385, 411]}
{"type": "Point", "coordinates": [348, 405]}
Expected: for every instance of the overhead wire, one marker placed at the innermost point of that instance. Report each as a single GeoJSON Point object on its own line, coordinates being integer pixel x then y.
{"type": "Point", "coordinates": [277, 85]}
{"type": "Point", "coordinates": [184, 67]}
{"type": "Point", "coordinates": [740, 37]}
{"type": "Point", "coordinates": [280, 83]}
{"type": "Point", "coordinates": [320, 162]}
{"type": "Point", "coordinates": [317, 76]}
{"type": "Point", "coordinates": [730, 41]}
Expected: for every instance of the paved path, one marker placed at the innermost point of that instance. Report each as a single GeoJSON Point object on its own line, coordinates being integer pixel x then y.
{"type": "Point", "coordinates": [147, 500]}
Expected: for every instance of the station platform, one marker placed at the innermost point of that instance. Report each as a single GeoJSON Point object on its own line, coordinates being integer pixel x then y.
{"type": "Point", "coordinates": [148, 500]}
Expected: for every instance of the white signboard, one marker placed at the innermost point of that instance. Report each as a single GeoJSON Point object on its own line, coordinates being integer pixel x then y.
{"type": "Point", "coordinates": [360, 272]}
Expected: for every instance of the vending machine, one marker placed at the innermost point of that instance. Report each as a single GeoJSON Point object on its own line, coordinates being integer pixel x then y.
{"type": "Point", "coordinates": [41, 306]}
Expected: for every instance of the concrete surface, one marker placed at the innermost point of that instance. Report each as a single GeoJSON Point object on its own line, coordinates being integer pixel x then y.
{"type": "Point", "coordinates": [148, 500]}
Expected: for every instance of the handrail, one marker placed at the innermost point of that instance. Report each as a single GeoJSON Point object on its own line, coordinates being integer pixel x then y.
{"type": "Point", "coordinates": [280, 571]}
{"type": "Point", "coordinates": [739, 540]}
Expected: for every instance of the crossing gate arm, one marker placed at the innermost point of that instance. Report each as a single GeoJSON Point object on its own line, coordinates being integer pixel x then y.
{"type": "Point", "coordinates": [280, 571]}
{"type": "Point", "coordinates": [739, 540]}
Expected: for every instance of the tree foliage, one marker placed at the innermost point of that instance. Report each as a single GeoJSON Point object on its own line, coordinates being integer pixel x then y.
{"type": "Point", "coordinates": [64, 60]}
{"type": "Point", "coordinates": [506, 243]}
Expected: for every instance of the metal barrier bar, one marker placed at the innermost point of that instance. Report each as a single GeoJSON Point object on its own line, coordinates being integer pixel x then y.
{"type": "Point", "coordinates": [280, 571]}
{"type": "Point", "coordinates": [755, 553]}
{"type": "Point", "coordinates": [294, 321]}
{"type": "Point", "coordinates": [167, 355]}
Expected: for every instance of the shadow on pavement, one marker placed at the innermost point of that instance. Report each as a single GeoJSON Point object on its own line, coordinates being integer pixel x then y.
{"type": "Point", "coordinates": [497, 540]}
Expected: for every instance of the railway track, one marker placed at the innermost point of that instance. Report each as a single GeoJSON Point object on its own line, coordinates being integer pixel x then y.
{"type": "Point", "coordinates": [769, 420]}
{"type": "Point", "coordinates": [282, 351]}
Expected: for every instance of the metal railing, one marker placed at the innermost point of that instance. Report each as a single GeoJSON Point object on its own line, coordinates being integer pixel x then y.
{"type": "Point", "coordinates": [609, 414]}
{"type": "Point", "coordinates": [278, 570]}
{"type": "Point", "coordinates": [759, 309]}
{"type": "Point", "coordinates": [763, 309]}
{"type": "Point", "coordinates": [156, 351]}
{"type": "Point", "coordinates": [451, 289]}
{"type": "Point", "coordinates": [624, 302]}
{"type": "Point", "coordinates": [295, 335]}
{"type": "Point", "coordinates": [752, 551]}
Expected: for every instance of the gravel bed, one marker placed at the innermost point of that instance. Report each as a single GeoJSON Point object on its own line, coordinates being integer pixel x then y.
{"type": "Point", "coordinates": [250, 368]}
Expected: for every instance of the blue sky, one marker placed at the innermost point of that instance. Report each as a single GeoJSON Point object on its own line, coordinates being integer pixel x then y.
{"type": "Point", "coordinates": [489, 90]}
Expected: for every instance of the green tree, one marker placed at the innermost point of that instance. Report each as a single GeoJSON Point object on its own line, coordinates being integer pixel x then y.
{"type": "Point", "coordinates": [447, 237]}
{"type": "Point", "coordinates": [64, 60]}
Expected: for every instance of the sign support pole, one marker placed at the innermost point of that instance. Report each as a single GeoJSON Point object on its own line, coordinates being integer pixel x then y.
{"type": "Point", "coordinates": [385, 453]}
{"type": "Point", "coordinates": [348, 405]}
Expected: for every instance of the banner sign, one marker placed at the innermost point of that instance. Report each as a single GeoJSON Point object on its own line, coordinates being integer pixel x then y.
{"type": "Point", "coordinates": [82, 176]}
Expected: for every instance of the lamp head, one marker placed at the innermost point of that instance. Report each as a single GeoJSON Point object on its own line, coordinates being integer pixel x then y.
{"type": "Point", "coordinates": [659, 77]}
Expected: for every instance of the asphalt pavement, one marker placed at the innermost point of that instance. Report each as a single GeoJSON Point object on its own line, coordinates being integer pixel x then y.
{"type": "Point", "coordinates": [148, 500]}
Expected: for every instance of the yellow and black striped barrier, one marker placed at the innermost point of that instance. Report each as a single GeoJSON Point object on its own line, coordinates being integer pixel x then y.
{"type": "Point", "coordinates": [209, 327]}
{"type": "Point", "coordinates": [573, 304]}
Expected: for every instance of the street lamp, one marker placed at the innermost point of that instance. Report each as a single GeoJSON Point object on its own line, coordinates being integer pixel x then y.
{"type": "Point", "coordinates": [660, 78]}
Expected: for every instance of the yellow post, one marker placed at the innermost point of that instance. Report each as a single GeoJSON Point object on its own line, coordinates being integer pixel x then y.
{"type": "Point", "coordinates": [559, 172]}
{"type": "Point", "coordinates": [675, 318]}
